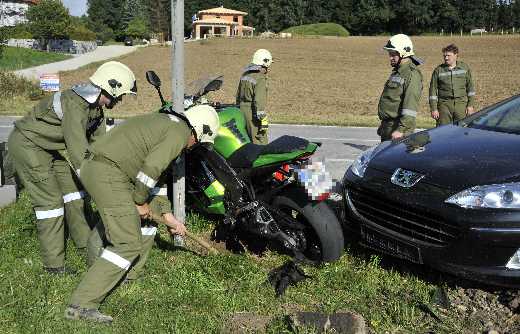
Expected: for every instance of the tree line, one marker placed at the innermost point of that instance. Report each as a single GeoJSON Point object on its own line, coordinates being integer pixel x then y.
{"type": "Point", "coordinates": [360, 17]}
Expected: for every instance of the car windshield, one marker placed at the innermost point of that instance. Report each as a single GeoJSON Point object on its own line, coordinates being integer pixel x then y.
{"type": "Point", "coordinates": [503, 117]}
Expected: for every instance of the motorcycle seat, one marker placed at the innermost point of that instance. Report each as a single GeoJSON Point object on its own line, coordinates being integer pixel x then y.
{"type": "Point", "coordinates": [245, 156]}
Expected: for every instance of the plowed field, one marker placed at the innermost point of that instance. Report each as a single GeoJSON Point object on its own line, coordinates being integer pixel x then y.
{"type": "Point", "coordinates": [326, 81]}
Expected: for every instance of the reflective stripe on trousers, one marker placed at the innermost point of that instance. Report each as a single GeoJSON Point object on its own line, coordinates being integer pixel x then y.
{"type": "Point", "coordinates": [73, 196]}
{"type": "Point", "coordinates": [115, 259]}
{"type": "Point", "coordinates": [46, 214]}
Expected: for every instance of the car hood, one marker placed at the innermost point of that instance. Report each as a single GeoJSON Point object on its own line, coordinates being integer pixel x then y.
{"type": "Point", "coordinates": [455, 157]}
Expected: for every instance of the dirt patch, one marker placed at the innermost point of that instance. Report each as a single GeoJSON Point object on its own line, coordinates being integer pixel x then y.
{"type": "Point", "coordinates": [206, 236]}
{"type": "Point", "coordinates": [246, 323]}
{"type": "Point", "coordinates": [484, 311]}
{"type": "Point", "coordinates": [334, 81]}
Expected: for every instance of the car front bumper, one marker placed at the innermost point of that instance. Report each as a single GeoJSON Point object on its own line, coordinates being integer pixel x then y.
{"type": "Point", "coordinates": [474, 244]}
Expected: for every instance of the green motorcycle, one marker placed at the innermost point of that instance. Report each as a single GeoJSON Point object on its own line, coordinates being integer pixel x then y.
{"type": "Point", "coordinates": [270, 194]}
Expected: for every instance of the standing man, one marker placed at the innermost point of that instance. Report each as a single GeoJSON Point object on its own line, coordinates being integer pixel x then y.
{"type": "Point", "coordinates": [120, 173]}
{"type": "Point", "coordinates": [399, 101]}
{"type": "Point", "coordinates": [252, 96]}
{"type": "Point", "coordinates": [48, 146]}
{"type": "Point", "coordinates": [452, 91]}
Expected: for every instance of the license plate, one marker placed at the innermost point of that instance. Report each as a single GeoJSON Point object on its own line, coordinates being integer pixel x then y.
{"type": "Point", "coordinates": [388, 245]}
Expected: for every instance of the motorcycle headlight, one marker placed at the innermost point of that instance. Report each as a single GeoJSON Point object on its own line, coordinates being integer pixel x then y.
{"type": "Point", "coordinates": [495, 196]}
{"type": "Point", "coordinates": [360, 165]}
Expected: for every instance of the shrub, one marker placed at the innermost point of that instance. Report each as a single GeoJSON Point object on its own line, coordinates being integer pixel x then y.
{"type": "Point", "coordinates": [319, 29]}
{"type": "Point", "coordinates": [81, 33]}
{"type": "Point", "coordinates": [19, 31]}
{"type": "Point", "coordinates": [12, 86]}
{"type": "Point", "coordinates": [137, 28]}
{"type": "Point", "coordinates": [49, 19]}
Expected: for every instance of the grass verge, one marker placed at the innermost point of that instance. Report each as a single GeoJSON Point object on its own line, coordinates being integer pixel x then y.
{"type": "Point", "coordinates": [182, 292]}
{"type": "Point", "coordinates": [19, 58]}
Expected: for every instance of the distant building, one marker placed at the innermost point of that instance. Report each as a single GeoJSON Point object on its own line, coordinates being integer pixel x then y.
{"type": "Point", "coordinates": [220, 21]}
{"type": "Point", "coordinates": [12, 12]}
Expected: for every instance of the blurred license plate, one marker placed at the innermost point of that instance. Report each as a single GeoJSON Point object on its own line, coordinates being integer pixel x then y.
{"type": "Point", "coordinates": [385, 244]}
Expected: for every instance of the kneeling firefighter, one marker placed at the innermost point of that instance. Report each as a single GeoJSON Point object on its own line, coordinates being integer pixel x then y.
{"type": "Point", "coordinates": [120, 173]}
{"type": "Point", "coordinates": [252, 96]}
{"type": "Point", "coordinates": [47, 147]}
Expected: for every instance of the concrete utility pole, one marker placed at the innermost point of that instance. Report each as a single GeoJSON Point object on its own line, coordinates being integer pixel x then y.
{"type": "Point", "coordinates": [179, 186]}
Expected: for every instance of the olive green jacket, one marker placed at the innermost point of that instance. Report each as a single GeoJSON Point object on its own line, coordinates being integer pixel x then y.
{"type": "Point", "coordinates": [252, 91]}
{"type": "Point", "coordinates": [401, 95]}
{"type": "Point", "coordinates": [79, 124]}
{"type": "Point", "coordinates": [143, 147]}
{"type": "Point", "coordinates": [449, 84]}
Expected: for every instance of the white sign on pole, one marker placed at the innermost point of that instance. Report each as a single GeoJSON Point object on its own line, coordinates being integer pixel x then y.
{"type": "Point", "coordinates": [50, 82]}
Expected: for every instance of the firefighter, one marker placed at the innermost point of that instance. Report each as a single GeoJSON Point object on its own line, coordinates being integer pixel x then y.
{"type": "Point", "coordinates": [452, 91]}
{"type": "Point", "coordinates": [399, 101]}
{"type": "Point", "coordinates": [252, 96]}
{"type": "Point", "coordinates": [120, 173]}
{"type": "Point", "coordinates": [48, 146]}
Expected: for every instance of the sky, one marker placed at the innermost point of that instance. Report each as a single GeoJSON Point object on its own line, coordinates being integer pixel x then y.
{"type": "Point", "coordinates": [76, 7]}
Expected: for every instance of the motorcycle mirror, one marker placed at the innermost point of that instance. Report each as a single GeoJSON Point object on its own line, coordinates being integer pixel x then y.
{"type": "Point", "coordinates": [153, 79]}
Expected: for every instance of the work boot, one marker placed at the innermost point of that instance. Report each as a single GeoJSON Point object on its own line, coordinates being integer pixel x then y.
{"type": "Point", "coordinates": [74, 312]}
{"type": "Point", "coordinates": [60, 271]}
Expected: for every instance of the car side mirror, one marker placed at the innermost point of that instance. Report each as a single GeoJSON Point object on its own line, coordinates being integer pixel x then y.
{"type": "Point", "coordinates": [153, 79]}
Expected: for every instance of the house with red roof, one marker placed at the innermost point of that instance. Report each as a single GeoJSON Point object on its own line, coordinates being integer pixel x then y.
{"type": "Point", "coordinates": [220, 21]}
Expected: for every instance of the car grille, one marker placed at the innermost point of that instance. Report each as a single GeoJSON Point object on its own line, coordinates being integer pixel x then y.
{"type": "Point", "coordinates": [404, 220]}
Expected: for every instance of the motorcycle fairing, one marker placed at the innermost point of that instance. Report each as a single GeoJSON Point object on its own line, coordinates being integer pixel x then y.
{"type": "Point", "coordinates": [232, 134]}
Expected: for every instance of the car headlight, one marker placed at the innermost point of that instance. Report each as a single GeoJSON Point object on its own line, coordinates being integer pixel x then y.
{"type": "Point", "coordinates": [495, 196]}
{"type": "Point", "coordinates": [360, 165]}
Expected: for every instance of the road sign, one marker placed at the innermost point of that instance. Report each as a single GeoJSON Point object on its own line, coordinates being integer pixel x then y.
{"type": "Point", "coordinates": [50, 82]}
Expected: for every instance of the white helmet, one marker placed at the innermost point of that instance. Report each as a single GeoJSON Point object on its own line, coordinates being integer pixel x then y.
{"type": "Point", "coordinates": [204, 120]}
{"type": "Point", "coordinates": [400, 43]}
{"type": "Point", "coordinates": [262, 57]}
{"type": "Point", "coordinates": [115, 78]}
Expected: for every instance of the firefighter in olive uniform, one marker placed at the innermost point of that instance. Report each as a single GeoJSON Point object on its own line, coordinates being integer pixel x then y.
{"type": "Point", "coordinates": [48, 146]}
{"type": "Point", "coordinates": [452, 91]}
{"type": "Point", "coordinates": [120, 173]}
{"type": "Point", "coordinates": [399, 101]}
{"type": "Point", "coordinates": [252, 96]}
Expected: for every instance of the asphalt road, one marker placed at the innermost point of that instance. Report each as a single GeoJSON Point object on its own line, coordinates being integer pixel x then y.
{"type": "Point", "coordinates": [340, 145]}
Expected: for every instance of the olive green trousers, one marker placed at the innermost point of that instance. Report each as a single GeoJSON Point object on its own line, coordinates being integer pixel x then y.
{"type": "Point", "coordinates": [387, 127]}
{"type": "Point", "coordinates": [253, 126]}
{"type": "Point", "coordinates": [55, 194]}
{"type": "Point", "coordinates": [112, 192]}
{"type": "Point", "coordinates": [451, 110]}
{"type": "Point", "coordinates": [97, 242]}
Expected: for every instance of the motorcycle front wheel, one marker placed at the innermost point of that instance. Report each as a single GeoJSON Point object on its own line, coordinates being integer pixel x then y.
{"type": "Point", "coordinates": [322, 238]}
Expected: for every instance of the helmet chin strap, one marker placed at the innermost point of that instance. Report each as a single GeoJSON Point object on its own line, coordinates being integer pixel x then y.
{"type": "Point", "coordinates": [113, 102]}
{"type": "Point", "coordinates": [170, 111]}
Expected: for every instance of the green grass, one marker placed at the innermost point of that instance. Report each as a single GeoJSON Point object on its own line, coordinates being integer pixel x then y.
{"type": "Point", "coordinates": [20, 58]}
{"type": "Point", "coordinates": [319, 29]}
{"type": "Point", "coordinates": [185, 293]}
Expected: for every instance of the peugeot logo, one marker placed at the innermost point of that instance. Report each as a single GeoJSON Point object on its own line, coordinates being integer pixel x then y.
{"type": "Point", "coordinates": [405, 178]}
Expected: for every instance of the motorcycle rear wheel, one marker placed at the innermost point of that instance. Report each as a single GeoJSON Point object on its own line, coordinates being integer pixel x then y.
{"type": "Point", "coordinates": [323, 234]}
